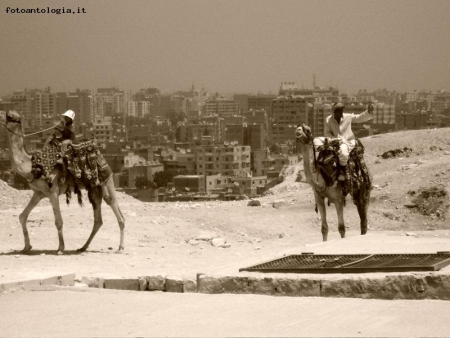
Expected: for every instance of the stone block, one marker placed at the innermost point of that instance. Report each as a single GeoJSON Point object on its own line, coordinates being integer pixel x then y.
{"type": "Point", "coordinates": [208, 284]}
{"type": "Point", "coordinates": [143, 283]}
{"type": "Point", "coordinates": [67, 280]}
{"type": "Point", "coordinates": [18, 285]}
{"type": "Point", "coordinates": [50, 281]}
{"type": "Point", "coordinates": [189, 286]}
{"type": "Point", "coordinates": [94, 282]}
{"type": "Point", "coordinates": [122, 284]}
{"type": "Point", "coordinates": [156, 283]}
{"type": "Point", "coordinates": [174, 284]}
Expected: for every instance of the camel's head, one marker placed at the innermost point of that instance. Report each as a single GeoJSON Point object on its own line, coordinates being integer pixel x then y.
{"type": "Point", "coordinates": [304, 134]}
{"type": "Point", "coordinates": [13, 117]}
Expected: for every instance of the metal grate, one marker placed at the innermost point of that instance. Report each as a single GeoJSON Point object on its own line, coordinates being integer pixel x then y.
{"type": "Point", "coordinates": [310, 263]}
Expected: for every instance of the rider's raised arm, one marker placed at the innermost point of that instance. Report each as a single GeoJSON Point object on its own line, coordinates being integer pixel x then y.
{"type": "Point", "coordinates": [327, 132]}
{"type": "Point", "coordinates": [363, 117]}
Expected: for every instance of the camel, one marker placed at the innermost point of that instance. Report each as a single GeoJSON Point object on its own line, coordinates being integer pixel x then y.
{"type": "Point", "coordinates": [21, 164]}
{"type": "Point", "coordinates": [334, 193]}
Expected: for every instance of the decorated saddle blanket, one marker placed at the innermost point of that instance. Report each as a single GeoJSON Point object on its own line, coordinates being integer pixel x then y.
{"type": "Point", "coordinates": [44, 161]}
{"type": "Point", "coordinates": [85, 162]}
{"type": "Point", "coordinates": [357, 173]}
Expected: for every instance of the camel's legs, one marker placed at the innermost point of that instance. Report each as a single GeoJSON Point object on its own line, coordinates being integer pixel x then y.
{"type": "Point", "coordinates": [339, 204]}
{"type": "Point", "coordinates": [110, 197]}
{"type": "Point", "coordinates": [323, 215]}
{"type": "Point", "coordinates": [35, 199]}
{"type": "Point", "coordinates": [54, 200]}
{"type": "Point", "coordinates": [95, 197]}
{"type": "Point", "coordinates": [361, 199]}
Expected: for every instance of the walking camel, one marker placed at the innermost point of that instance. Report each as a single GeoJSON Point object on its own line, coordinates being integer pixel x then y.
{"type": "Point", "coordinates": [334, 194]}
{"type": "Point", "coordinates": [21, 163]}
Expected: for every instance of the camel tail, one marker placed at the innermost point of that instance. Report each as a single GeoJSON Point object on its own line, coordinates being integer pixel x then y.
{"type": "Point", "coordinates": [80, 196]}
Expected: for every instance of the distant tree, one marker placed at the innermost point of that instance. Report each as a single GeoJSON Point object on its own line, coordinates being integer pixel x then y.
{"type": "Point", "coordinates": [446, 112]}
{"type": "Point", "coordinates": [161, 178]}
{"type": "Point", "coordinates": [142, 183]}
{"type": "Point", "coordinates": [275, 148]}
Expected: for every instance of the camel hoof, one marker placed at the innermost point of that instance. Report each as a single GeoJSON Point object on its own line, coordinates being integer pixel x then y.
{"type": "Point", "coordinates": [83, 249]}
{"type": "Point", "coordinates": [60, 252]}
{"type": "Point", "coordinates": [26, 249]}
{"type": "Point", "coordinates": [120, 251]}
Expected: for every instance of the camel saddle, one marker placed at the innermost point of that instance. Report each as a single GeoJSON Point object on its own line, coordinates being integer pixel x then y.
{"type": "Point", "coordinates": [81, 160]}
{"type": "Point", "coordinates": [85, 162]}
{"type": "Point", "coordinates": [356, 175]}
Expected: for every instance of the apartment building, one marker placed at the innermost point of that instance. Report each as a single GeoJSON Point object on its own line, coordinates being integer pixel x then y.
{"type": "Point", "coordinates": [138, 109]}
{"type": "Point", "coordinates": [221, 108]}
{"type": "Point", "coordinates": [262, 163]}
{"type": "Point", "coordinates": [262, 102]}
{"type": "Point", "coordinates": [287, 113]}
{"type": "Point", "coordinates": [224, 160]}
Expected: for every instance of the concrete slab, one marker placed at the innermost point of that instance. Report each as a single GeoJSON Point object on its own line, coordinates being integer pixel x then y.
{"type": "Point", "coordinates": [405, 285]}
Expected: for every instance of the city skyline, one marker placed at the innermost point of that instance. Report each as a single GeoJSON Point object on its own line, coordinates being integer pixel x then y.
{"type": "Point", "coordinates": [227, 46]}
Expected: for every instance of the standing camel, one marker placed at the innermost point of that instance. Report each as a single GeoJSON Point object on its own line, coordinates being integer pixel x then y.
{"type": "Point", "coordinates": [21, 164]}
{"type": "Point", "coordinates": [334, 194]}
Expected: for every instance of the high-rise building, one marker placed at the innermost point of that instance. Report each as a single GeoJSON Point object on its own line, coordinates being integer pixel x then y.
{"type": "Point", "coordinates": [287, 113]}
{"type": "Point", "coordinates": [138, 109]}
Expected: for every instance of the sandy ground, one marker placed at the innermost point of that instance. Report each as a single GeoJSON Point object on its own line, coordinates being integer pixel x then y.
{"type": "Point", "coordinates": [155, 314]}
{"type": "Point", "coordinates": [175, 238]}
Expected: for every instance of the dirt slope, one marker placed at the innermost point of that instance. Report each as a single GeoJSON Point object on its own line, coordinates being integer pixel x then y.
{"type": "Point", "coordinates": [177, 238]}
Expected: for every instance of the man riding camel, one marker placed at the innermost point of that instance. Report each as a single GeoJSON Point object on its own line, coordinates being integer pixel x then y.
{"type": "Point", "coordinates": [65, 126]}
{"type": "Point", "coordinates": [339, 126]}
{"type": "Point", "coordinates": [66, 135]}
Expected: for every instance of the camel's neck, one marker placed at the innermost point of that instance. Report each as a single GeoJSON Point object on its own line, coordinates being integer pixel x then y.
{"type": "Point", "coordinates": [20, 160]}
{"type": "Point", "coordinates": [307, 167]}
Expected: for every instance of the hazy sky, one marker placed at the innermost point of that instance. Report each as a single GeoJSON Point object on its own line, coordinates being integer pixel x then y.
{"type": "Point", "coordinates": [226, 46]}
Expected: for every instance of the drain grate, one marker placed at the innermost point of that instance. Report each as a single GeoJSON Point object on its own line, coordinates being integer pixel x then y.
{"type": "Point", "coordinates": [347, 263]}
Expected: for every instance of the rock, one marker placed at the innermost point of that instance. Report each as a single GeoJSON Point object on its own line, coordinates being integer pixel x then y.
{"type": "Point", "coordinates": [433, 148]}
{"type": "Point", "coordinates": [143, 283]}
{"type": "Point", "coordinates": [205, 236]}
{"type": "Point", "coordinates": [243, 198]}
{"type": "Point", "coordinates": [254, 203]}
{"type": "Point", "coordinates": [218, 241]}
{"type": "Point", "coordinates": [446, 152]}
{"type": "Point", "coordinates": [189, 286]}
{"type": "Point", "coordinates": [156, 283]}
{"type": "Point", "coordinates": [279, 203]}
{"type": "Point", "coordinates": [225, 246]}
{"type": "Point", "coordinates": [193, 242]}
{"type": "Point", "coordinates": [411, 234]}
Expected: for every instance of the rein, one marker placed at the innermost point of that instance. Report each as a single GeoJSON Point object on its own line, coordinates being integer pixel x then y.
{"type": "Point", "coordinates": [12, 132]}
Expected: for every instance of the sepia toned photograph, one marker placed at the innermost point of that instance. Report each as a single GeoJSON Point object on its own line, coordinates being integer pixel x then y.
{"type": "Point", "coordinates": [224, 168]}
